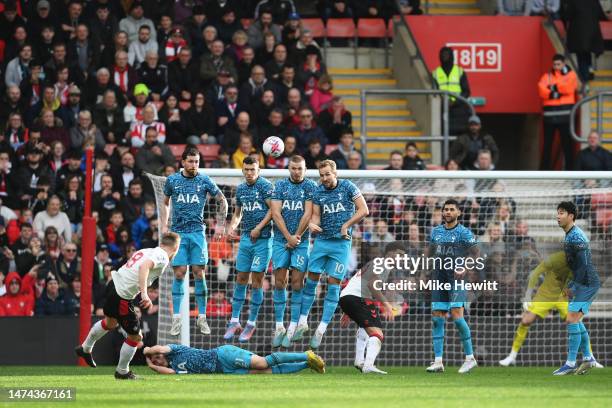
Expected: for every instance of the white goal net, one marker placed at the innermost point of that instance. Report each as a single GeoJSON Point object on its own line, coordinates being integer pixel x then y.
{"type": "Point", "coordinates": [513, 216]}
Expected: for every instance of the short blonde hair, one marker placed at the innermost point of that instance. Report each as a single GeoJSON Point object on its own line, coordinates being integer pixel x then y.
{"type": "Point", "coordinates": [326, 163]}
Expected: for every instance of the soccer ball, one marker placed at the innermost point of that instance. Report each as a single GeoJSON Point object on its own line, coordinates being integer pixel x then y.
{"type": "Point", "coordinates": [273, 146]}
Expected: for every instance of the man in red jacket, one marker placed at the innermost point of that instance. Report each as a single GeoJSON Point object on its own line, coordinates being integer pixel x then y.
{"type": "Point", "coordinates": [19, 297]}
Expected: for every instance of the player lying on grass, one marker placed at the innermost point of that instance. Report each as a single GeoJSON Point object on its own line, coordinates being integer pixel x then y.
{"type": "Point", "coordinates": [227, 359]}
{"type": "Point", "coordinates": [129, 284]}
{"type": "Point", "coordinates": [549, 296]}
{"type": "Point", "coordinates": [358, 302]}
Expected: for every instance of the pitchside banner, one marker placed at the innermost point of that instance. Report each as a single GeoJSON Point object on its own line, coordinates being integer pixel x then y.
{"type": "Point", "coordinates": [504, 57]}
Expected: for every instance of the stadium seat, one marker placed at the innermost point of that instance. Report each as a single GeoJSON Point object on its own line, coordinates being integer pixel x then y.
{"type": "Point", "coordinates": [177, 150]}
{"type": "Point", "coordinates": [315, 25]}
{"type": "Point", "coordinates": [209, 152]}
{"type": "Point", "coordinates": [371, 28]}
{"type": "Point", "coordinates": [341, 28]}
{"type": "Point", "coordinates": [606, 29]}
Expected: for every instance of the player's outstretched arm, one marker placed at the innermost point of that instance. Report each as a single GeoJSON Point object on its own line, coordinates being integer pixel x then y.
{"type": "Point", "coordinates": [159, 369]}
{"type": "Point", "coordinates": [221, 215]}
{"type": "Point", "coordinates": [275, 208]}
{"type": "Point", "coordinates": [157, 349]}
{"type": "Point", "coordinates": [143, 275]}
{"type": "Point", "coordinates": [315, 220]}
{"type": "Point", "coordinates": [361, 211]}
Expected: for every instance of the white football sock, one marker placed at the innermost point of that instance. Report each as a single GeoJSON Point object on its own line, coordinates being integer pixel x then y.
{"type": "Point", "coordinates": [438, 359]}
{"type": "Point", "coordinates": [513, 354]}
{"type": "Point", "coordinates": [96, 332]}
{"type": "Point", "coordinates": [303, 320]}
{"type": "Point", "coordinates": [373, 348]}
{"type": "Point", "coordinates": [250, 323]}
{"type": "Point", "coordinates": [361, 339]}
{"type": "Point", "coordinates": [291, 328]}
{"type": "Point", "coordinates": [279, 325]}
{"type": "Point", "coordinates": [125, 356]}
{"type": "Point", "coordinates": [176, 315]}
{"type": "Point", "coordinates": [234, 320]}
{"type": "Point", "coordinates": [322, 327]}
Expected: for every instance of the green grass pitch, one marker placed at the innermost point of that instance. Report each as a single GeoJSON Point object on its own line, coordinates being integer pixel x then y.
{"type": "Point", "coordinates": [339, 387]}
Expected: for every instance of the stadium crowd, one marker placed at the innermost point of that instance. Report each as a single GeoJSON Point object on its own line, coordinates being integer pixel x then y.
{"type": "Point", "coordinates": [130, 78]}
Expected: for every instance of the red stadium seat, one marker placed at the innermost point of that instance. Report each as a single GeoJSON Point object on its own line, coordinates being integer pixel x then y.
{"type": "Point", "coordinates": [177, 150]}
{"type": "Point", "coordinates": [315, 25]}
{"type": "Point", "coordinates": [209, 152]}
{"type": "Point", "coordinates": [340, 28]}
{"type": "Point", "coordinates": [371, 28]}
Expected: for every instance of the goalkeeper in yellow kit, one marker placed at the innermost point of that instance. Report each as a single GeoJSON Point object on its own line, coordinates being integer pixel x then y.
{"type": "Point", "coordinates": [549, 296]}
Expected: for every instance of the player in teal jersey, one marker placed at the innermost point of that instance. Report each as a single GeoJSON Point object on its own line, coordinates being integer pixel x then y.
{"type": "Point", "coordinates": [228, 359]}
{"type": "Point", "coordinates": [252, 207]}
{"type": "Point", "coordinates": [291, 212]}
{"type": "Point", "coordinates": [337, 206]}
{"type": "Point", "coordinates": [188, 190]}
{"type": "Point", "coordinates": [580, 290]}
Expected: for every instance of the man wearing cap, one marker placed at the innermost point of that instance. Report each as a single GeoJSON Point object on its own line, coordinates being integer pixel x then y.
{"type": "Point", "coordinates": [465, 149]}
{"type": "Point", "coordinates": [183, 74]}
{"type": "Point", "coordinates": [281, 10]}
{"type": "Point", "coordinates": [41, 18]}
{"type": "Point", "coordinates": [174, 45]}
{"type": "Point", "coordinates": [71, 169]}
{"type": "Point", "coordinates": [132, 23]}
{"type": "Point", "coordinates": [139, 48]}
{"type": "Point", "coordinates": [9, 20]}
{"type": "Point", "coordinates": [132, 113]}
{"type": "Point", "coordinates": [52, 301]}
{"type": "Point", "coordinates": [196, 24]}
{"type": "Point", "coordinates": [74, 106]}
{"type": "Point", "coordinates": [103, 23]}
{"type": "Point", "coordinates": [216, 91]}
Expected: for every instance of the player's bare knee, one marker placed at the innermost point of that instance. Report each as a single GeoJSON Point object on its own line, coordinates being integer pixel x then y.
{"type": "Point", "coordinates": [111, 323]}
{"type": "Point", "coordinates": [257, 280]}
{"type": "Point", "coordinates": [438, 313]}
{"type": "Point", "coordinates": [198, 271]}
{"type": "Point", "coordinates": [297, 284]}
{"type": "Point", "coordinates": [243, 278]}
{"type": "Point", "coordinates": [457, 313]}
{"type": "Point", "coordinates": [280, 279]}
{"type": "Point", "coordinates": [180, 271]}
{"type": "Point", "coordinates": [333, 281]}
{"type": "Point", "coordinates": [313, 276]}
{"type": "Point", "coordinates": [135, 337]}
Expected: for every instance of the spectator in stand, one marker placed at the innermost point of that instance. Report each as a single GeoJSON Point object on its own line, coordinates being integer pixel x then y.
{"type": "Point", "coordinates": [285, 83]}
{"type": "Point", "coordinates": [72, 167]}
{"type": "Point", "coordinates": [31, 86]}
{"type": "Point", "coordinates": [43, 48]}
{"type": "Point", "coordinates": [228, 26]}
{"type": "Point", "coordinates": [106, 200]}
{"type": "Point", "coordinates": [62, 84]}
{"type": "Point", "coordinates": [15, 134]}
{"type": "Point", "coordinates": [98, 86]}
{"type": "Point", "coordinates": [452, 78]}
{"type": "Point", "coordinates": [72, 199]}
{"type": "Point", "coordinates": [30, 256]}
{"type": "Point", "coordinates": [231, 136]}
{"type": "Point", "coordinates": [210, 36]}
{"type": "Point", "coordinates": [104, 25]}
{"type": "Point", "coordinates": [29, 172]}
{"type": "Point", "coordinates": [18, 68]}
{"type": "Point", "coordinates": [584, 36]}
{"type": "Point", "coordinates": [274, 125]}
{"type": "Point", "coordinates": [334, 119]}
{"type": "Point", "coordinates": [465, 149]}
{"type": "Point", "coordinates": [594, 157]}
{"type": "Point", "coordinates": [545, 8]}
{"type": "Point", "coordinates": [101, 167]}
{"type": "Point", "coordinates": [74, 106]}
{"type": "Point", "coordinates": [292, 30]}
{"type": "Point", "coordinates": [199, 121]}
{"type": "Point", "coordinates": [52, 243]}
{"type": "Point", "coordinates": [308, 130]}
{"type": "Point", "coordinates": [412, 160]}
{"type": "Point", "coordinates": [115, 224]}
{"type": "Point", "coordinates": [139, 48]}
{"type": "Point", "coordinates": [227, 110]}
{"type": "Point", "coordinates": [246, 64]}
{"type": "Point", "coordinates": [282, 162]}
{"type": "Point", "coordinates": [218, 305]}
{"type": "Point", "coordinates": [282, 10]}
{"type": "Point", "coordinates": [84, 51]}
{"type": "Point", "coordinates": [153, 156]}
{"type": "Point", "coordinates": [345, 148]}
{"type": "Point", "coordinates": [222, 161]}
{"type": "Point", "coordinates": [314, 154]}
{"type": "Point", "coordinates": [274, 66]}
{"type": "Point", "coordinates": [108, 118]}
{"type": "Point", "coordinates": [18, 299]}
{"type": "Point", "coordinates": [17, 40]}
{"type": "Point", "coordinates": [297, 53]}
{"type": "Point", "coordinates": [12, 229]}
{"type": "Point", "coordinates": [139, 129]}
{"type": "Point", "coordinates": [513, 7]}
{"type": "Point", "coordinates": [11, 103]}
{"type": "Point", "coordinates": [53, 301]}
{"type": "Point", "coordinates": [120, 43]}
{"type": "Point", "coordinates": [484, 160]}
{"type": "Point", "coordinates": [71, 20]}
{"type": "Point", "coordinates": [59, 59]}
{"type": "Point", "coordinates": [123, 74]}
{"type": "Point", "coordinates": [134, 200]}
{"type": "Point", "coordinates": [311, 71]}
{"type": "Point", "coordinates": [557, 90]}
{"type": "Point", "coordinates": [322, 95]}
{"type": "Point", "coordinates": [174, 118]}
{"type": "Point", "coordinates": [183, 75]}
{"type": "Point", "coordinates": [237, 46]}
{"type": "Point", "coordinates": [262, 108]}
{"type": "Point", "coordinates": [124, 174]}
{"type": "Point", "coordinates": [215, 93]}
{"type": "Point", "coordinates": [132, 113]}
{"type": "Point", "coordinates": [355, 161]}
{"type": "Point", "coordinates": [260, 27]}
{"type": "Point", "coordinates": [39, 201]}
{"type": "Point", "coordinates": [164, 31]}
{"type": "Point", "coordinates": [67, 266]}
{"type": "Point", "coordinates": [154, 75]}
{"type": "Point", "coordinates": [143, 222]}
{"type": "Point", "coordinates": [22, 243]}
{"type": "Point", "coordinates": [174, 45]}
{"type": "Point", "coordinates": [10, 19]}
{"type": "Point", "coordinates": [73, 295]}
{"type": "Point", "coordinates": [214, 62]}
{"type": "Point", "coordinates": [265, 53]}
{"type": "Point", "coordinates": [252, 90]}
{"type": "Point", "coordinates": [195, 25]}
{"type": "Point", "coordinates": [396, 161]}
{"type": "Point", "coordinates": [136, 19]}
{"type": "Point", "coordinates": [245, 148]}
{"type": "Point", "coordinates": [381, 232]}
{"type": "Point", "coordinates": [86, 131]}
{"type": "Point", "coordinates": [53, 217]}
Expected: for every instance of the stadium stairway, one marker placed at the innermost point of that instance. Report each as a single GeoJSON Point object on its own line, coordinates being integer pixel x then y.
{"type": "Point", "coordinates": [453, 7]}
{"type": "Point", "coordinates": [387, 115]}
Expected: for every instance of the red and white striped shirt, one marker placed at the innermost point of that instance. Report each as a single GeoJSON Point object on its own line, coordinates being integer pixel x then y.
{"type": "Point", "coordinates": [139, 130]}
{"type": "Point", "coordinates": [172, 49]}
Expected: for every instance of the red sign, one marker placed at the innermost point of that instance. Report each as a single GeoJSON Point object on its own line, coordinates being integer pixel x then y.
{"type": "Point", "coordinates": [478, 57]}
{"type": "Point", "coordinates": [504, 57]}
